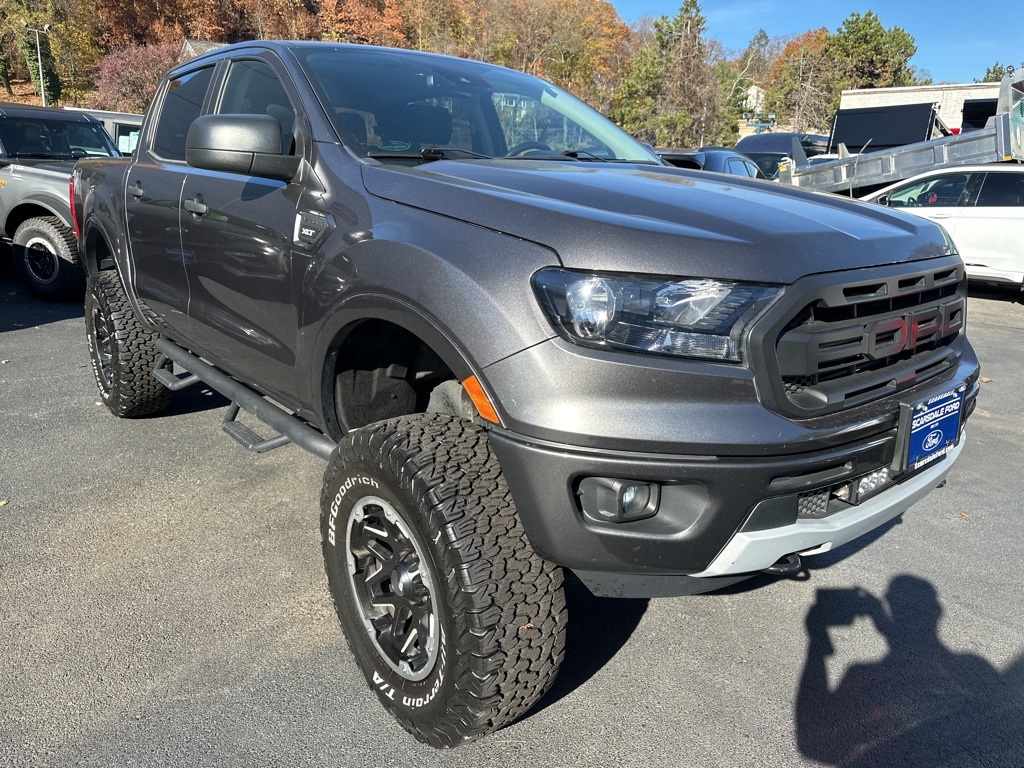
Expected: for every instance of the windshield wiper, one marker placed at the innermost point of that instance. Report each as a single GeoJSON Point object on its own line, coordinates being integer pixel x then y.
{"type": "Point", "coordinates": [575, 155]}
{"type": "Point", "coordinates": [429, 154]}
{"type": "Point", "coordinates": [439, 153]}
{"type": "Point", "coordinates": [38, 154]}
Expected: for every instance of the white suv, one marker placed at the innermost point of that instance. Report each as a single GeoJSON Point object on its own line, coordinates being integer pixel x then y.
{"type": "Point", "coordinates": [982, 208]}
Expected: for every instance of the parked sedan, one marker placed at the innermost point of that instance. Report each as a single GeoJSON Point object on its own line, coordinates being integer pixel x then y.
{"type": "Point", "coordinates": [770, 149]}
{"type": "Point", "coordinates": [982, 208]}
{"type": "Point", "coordinates": [717, 159]}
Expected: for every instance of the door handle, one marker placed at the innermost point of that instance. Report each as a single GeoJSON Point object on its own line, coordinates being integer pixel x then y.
{"type": "Point", "coordinates": [195, 206]}
{"type": "Point", "coordinates": [938, 215]}
{"type": "Point", "coordinates": [136, 190]}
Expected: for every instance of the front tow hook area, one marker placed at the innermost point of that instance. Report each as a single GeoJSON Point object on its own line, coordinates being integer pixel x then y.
{"type": "Point", "coordinates": [789, 565]}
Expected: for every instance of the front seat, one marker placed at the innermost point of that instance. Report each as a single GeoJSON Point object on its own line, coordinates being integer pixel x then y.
{"type": "Point", "coordinates": [414, 126]}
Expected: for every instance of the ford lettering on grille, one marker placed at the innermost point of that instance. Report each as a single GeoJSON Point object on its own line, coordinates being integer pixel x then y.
{"type": "Point", "coordinates": [884, 338]}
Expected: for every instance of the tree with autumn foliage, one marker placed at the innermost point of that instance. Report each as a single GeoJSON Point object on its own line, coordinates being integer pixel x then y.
{"type": "Point", "coordinates": [129, 76]}
{"type": "Point", "coordinates": [805, 82]}
{"type": "Point", "coordinates": [667, 81]}
{"type": "Point", "coordinates": [809, 78]}
{"type": "Point", "coordinates": [364, 21]}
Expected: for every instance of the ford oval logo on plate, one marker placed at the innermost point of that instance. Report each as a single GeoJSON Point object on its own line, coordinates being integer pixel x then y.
{"type": "Point", "coordinates": [931, 442]}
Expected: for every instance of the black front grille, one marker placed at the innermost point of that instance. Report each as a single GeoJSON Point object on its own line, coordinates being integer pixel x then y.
{"type": "Point", "coordinates": [839, 344]}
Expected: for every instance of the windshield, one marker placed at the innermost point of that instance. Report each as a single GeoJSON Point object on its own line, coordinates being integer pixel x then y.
{"type": "Point", "coordinates": [385, 102]}
{"type": "Point", "coordinates": [56, 139]}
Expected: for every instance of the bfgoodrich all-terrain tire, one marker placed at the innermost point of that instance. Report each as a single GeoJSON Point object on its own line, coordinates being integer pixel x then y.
{"type": "Point", "coordinates": [123, 352]}
{"type": "Point", "coordinates": [46, 258]}
{"type": "Point", "coordinates": [457, 624]}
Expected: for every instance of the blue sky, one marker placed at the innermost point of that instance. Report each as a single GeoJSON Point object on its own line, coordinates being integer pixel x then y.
{"type": "Point", "coordinates": [957, 40]}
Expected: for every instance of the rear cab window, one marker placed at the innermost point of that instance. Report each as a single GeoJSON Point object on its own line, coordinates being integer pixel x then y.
{"type": "Point", "coordinates": [182, 104]}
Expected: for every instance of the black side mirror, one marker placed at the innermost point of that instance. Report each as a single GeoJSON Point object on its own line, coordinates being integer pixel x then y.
{"type": "Point", "coordinates": [248, 144]}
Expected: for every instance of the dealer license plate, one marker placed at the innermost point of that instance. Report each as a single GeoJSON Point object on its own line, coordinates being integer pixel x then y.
{"type": "Point", "coordinates": [934, 427]}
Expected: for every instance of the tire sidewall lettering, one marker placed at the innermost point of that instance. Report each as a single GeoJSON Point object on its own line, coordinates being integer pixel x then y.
{"type": "Point", "coordinates": [346, 486]}
{"type": "Point", "coordinates": [394, 690]}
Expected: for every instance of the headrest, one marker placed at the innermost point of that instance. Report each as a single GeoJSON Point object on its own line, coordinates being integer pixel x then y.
{"type": "Point", "coordinates": [416, 124]}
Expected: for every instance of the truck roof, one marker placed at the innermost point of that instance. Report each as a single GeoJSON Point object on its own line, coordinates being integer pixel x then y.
{"type": "Point", "coordinates": [29, 110]}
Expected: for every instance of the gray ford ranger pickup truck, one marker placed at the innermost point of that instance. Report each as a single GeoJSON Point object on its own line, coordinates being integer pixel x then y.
{"type": "Point", "coordinates": [38, 150]}
{"type": "Point", "coordinates": [524, 346]}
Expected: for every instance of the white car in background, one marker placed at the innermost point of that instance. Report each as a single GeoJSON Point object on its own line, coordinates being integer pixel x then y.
{"type": "Point", "coordinates": [982, 208]}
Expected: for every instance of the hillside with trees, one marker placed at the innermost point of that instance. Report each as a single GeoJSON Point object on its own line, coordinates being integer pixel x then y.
{"type": "Point", "coordinates": [664, 80]}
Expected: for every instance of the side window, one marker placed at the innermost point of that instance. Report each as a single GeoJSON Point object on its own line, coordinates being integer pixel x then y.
{"type": "Point", "coordinates": [126, 137]}
{"type": "Point", "coordinates": [1002, 190]}
{"type": "Point", "coordinates": [253, 88]}
{"type": "Point", "coordinates": [937, 191]}
{"type": "Point", "coordinates": [182, 105]}
{"type": "Point", "coordinates": [738, 167]}
{"type": "Point", "coordinates": [752, 170]}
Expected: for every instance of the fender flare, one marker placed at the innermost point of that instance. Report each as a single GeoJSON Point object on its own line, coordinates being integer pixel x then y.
{"type": "Point", "coordinates": [98, 227]}
{"type": "Point", "coordinates": [49, 202]}
{"type": "Point", "coordinates": [335, 328]}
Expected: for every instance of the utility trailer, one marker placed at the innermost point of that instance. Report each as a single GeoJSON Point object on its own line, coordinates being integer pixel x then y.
{"type": "Point", "coordinates": [1002, 140]}
{"type": "Point", "coordinates": [885, 127]}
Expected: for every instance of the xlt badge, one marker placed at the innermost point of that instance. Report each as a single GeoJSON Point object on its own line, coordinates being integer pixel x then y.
{"type": "Point", "coordinates": [310, 228]}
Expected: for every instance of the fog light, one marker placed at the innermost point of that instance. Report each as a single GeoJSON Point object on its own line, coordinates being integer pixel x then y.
{"type": "Point", "coordinates": [634, 499]}
{"type": "Point", "coordinates": [608, 499]}
{"type": "Point", "coordinates": [871, 483]}
{"type": "Point", "coordinates": [842, 493]}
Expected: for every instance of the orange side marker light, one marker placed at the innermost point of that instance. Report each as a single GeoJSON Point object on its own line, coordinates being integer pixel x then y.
{"type": "Point", "coordinates": [480, 400]}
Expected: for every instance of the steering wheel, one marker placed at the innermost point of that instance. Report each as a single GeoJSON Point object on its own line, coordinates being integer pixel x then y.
{"type": "Point", "coordinates": [526, 146]}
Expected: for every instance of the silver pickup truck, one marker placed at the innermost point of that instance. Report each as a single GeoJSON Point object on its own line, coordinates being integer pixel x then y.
{"type": "Point", "coordinates": [38, 149]}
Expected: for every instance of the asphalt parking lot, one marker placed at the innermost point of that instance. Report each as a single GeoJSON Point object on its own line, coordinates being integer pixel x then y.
{"type": "Point", "coordinates": [163, 603]}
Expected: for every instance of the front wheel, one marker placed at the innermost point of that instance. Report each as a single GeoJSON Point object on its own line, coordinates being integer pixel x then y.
{"type": "Point", "coordinates": [46, 258]}
{"type": "Point", "coordinates": [457, 624]}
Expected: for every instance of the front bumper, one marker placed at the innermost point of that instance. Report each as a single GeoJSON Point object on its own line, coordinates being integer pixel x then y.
{"type": "Point", "coordinates": [721, 517]}
{"type": "Point", "coordinates": [753, 550]}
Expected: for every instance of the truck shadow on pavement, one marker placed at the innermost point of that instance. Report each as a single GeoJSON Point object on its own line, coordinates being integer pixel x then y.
{"type": "Point", "coordinates": [995, 292]}
{"type": "Point", "coordinates": [195, 399]}
{"type": "Point", "coordinates": [922, 706]}
{"type": "Point", "coordinates": [20, 309]}
{"type": "Point", "coordinates": [598, 629]}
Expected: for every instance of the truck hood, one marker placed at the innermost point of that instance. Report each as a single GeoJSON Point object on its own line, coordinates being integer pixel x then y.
{"type": "Point", "coordinates": [655, 220]}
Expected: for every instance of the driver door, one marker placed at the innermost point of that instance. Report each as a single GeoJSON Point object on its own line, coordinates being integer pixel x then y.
{"type": "Point", "coordinates": [236, 235]}
{"type": "Point", "coordinates": [940, 198]}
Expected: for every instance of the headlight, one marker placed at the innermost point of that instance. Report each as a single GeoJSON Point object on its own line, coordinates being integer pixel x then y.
{"type": "Point", "coordinates": [684, 318]}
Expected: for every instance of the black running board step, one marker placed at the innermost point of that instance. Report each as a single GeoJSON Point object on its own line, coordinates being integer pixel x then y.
{"type": "Point", "coordinates": [166, 376]}
{"type": "Point", "coordinates": [241, 396]}
{"type": "Point", "coordinates": [248, 438]}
